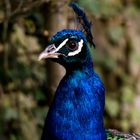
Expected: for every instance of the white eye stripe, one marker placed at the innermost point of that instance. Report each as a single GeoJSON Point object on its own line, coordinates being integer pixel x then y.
{"type": "Point", "coordinates": [80, 45]}
{"type": "Point", "coordinates": [61, 45]}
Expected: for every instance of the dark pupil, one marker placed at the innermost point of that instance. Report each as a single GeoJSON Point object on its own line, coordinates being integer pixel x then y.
{"type": "Point", "coordinates": [72, 45]}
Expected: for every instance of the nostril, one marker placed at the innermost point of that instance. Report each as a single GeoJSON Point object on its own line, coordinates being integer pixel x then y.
{"type": "Point", "coordinates": [51, 49]}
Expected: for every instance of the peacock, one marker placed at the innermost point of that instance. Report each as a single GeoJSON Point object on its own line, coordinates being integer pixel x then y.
{"type": "Point", "coordinates": [78, 105]}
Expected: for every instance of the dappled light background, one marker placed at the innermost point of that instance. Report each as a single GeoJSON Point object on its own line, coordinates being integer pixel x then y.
{"type": "Point", "coordinates": [27, 85]}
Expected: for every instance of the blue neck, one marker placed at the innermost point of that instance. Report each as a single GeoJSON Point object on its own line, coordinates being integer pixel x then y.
{"type": "Point", "coordinates": [78, 106]}
{"type": "Point", "coordinates": [84, 65]}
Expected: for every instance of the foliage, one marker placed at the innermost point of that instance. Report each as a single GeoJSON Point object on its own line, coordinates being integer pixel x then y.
{"type": "Point", "coordinates": [22, 77]}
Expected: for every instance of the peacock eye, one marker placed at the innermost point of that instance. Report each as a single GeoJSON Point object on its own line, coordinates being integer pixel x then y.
{"type": "Point", "coordinates": [72, 45]}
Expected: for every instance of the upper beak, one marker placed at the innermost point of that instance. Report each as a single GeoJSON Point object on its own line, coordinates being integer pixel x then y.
{"type": "Point", "coordinates": [49, 52]}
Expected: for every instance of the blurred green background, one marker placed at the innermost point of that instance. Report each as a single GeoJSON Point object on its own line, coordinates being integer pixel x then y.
{"type": "Point", "coordinates": [27, 86]}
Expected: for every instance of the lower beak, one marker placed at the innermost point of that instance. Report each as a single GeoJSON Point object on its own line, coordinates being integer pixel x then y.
{"type": "Point", "coordinates": [49, 52]}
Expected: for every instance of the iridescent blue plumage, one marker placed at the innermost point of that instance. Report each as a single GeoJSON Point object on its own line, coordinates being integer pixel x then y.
{"type": "Point", "coordinates": [77, 110]}
{"type": "Point", "coordinates": [61, 35]}
{"type": "Point", "coordinates": [78, 106]}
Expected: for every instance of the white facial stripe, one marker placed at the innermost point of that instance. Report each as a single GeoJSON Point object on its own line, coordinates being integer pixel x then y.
{"type": "Point", "coordinates": [80, 45]}
{"type": "Point", "coordinates": [61, 45]}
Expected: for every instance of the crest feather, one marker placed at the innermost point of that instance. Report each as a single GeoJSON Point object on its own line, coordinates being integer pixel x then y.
{"type": "Point", "coordinates": [83, 20]}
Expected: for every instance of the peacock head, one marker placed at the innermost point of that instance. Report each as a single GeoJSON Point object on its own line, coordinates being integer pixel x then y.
{"type": "Point", "coordinates": [70, 46]}
{"type": "Point", "coordinates": [67, 47]}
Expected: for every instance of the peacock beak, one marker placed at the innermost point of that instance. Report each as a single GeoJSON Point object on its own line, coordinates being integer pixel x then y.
{"type": "Point", "coordinates": [49, 52]}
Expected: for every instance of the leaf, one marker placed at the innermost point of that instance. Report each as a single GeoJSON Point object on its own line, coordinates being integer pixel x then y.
{"type": "Point", "coordinates": [112, 107]}
{"type": "Point", "coordinates": [115, 34]}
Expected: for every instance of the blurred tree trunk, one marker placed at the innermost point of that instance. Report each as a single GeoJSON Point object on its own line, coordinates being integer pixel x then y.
{"type": "Point", "coordinates": [56, 19]}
